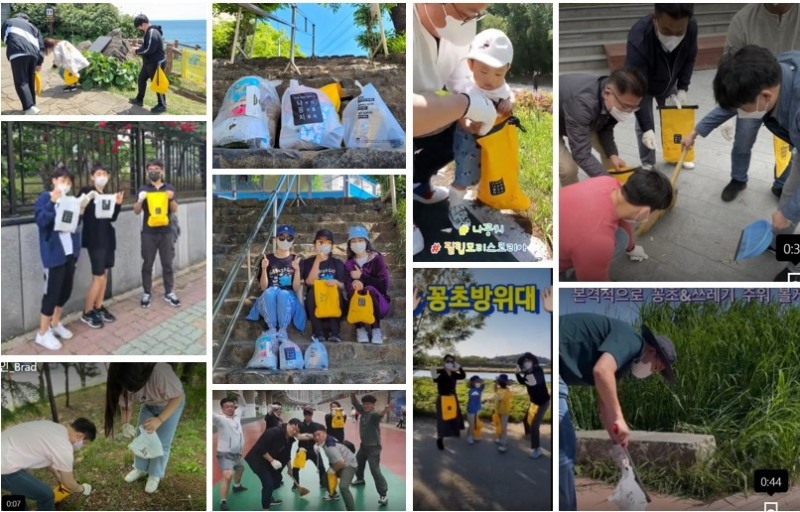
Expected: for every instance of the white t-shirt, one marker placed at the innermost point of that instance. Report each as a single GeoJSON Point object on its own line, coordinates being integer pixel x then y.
{"type": "Point", "coordinates": [229, 430]}
{"type": "Point", "coordinates": [437, 66]}
{"type": "Point", "coordinates": [503, 92]}
{"type": "Point", "coordinates": [36, 444]}
{"type": "Point", "coordinates": [162, 387]}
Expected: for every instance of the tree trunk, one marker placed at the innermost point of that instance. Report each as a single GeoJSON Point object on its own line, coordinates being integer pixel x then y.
{"type": "Point", "coordinates": [186, 372]}
{"type": "Point", "coordinates": [66, 380]}
{"type": "Point", "coordinates": [42, 389]}
{"type": "Point", "coordinates": [51, 397]}
{"type": "Point", "coordinates": [398, 15]}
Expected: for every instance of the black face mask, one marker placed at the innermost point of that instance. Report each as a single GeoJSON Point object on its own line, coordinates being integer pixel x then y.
{"type": "Point", "coordinates": [154, 175]}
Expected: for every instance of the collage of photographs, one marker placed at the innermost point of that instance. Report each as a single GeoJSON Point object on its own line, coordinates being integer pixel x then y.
{"type": "Point", "coordinates": [216, 272]}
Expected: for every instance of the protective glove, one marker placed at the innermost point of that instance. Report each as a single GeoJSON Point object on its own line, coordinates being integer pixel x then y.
{"type": "Point", "coordinates": [530, 380]}
{"type": "Point", "coordinates": [681, 99]}
{"type": "Point", "coordinates": [481, 110]}
{"type": "Point", "coordinates": [276, 464]}
{"type": "Point", "coordinates": [729, 130]}
{"type": "Point", "coordinates": [331, 471]}
{"type": "Point", "coordinates": [87, 489]}
{"type": "Point", "coordinates": [142, 196]}
{"type": "Point", "coordinates": [637, 254]}
{"type": "Point", "coordinates": [649, 139]}
{"type": "Point", "coordinates": [316, 449]}
{"type": "Point", "coordinates": [128, 431]}
{"type": "Point", "coordinates": [85, 200]}
{"type": "Point", "coordinates": [517, 369]}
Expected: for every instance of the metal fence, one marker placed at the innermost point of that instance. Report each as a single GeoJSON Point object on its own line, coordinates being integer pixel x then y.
{"type": "Point", "coordinates": [32, 150]}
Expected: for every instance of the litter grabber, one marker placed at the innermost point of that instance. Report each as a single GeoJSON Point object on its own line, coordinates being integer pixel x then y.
{"type": "Point", "coordinates": [647, 225]}
{"type": "Point", "coordinates": [754, 240]}
{"type": "Point", "coordinates": [302, 491]}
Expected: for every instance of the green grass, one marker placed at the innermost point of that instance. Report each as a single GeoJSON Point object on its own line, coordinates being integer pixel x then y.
{"type": "Point", "coordinates": [175, 104]}
{"type": "Point", "coordinates": [425, 400]}
{"type": "Point", "coordinates": [738, 371]}
{"type": "Point", "coordinates": [104, 462]}
{"type": "Point", "coordinates": [536, 168]}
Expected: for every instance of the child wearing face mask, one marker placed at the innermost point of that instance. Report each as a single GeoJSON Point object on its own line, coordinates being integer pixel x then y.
{"type": "Point", "coordinates": [474, 394]}
{"type": "Point", "coordinates": [323, 266]}
{"type": "Point", "coordinates": [100, 240]}
{"type": "Point", "coordinates": [489, 60]}
{"type": "Point", "coordinates": [446, 380]}
{"type": "Point", "coordinates": [502, 405]}
{"type": "Point", "coordinates": [59, 251]}
{"type": "Point", "coordinates": [279, 278]}
{"type": "Point", "coordinates": [530, 374]}
{"type": "Point", "coordinates": [367, 272]}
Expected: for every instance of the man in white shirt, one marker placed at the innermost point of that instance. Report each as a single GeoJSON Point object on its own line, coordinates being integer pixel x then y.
{"type": "Point", "coordinates": [230, 442]}
{"type": "Point", "coordinates": [43, 444]}
{"type": "Point", "coordinates": [341, 460]}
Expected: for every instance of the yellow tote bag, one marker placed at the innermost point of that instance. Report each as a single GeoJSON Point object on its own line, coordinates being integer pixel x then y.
{"type": "Point", "coordinates": [37, 83]}
{"type": "Point", "coordinates": [327, 300]}
{"type": "Point", "coordinates": [361, 309]}
{"type": "Point", "coordinates": [158, 209]}
{"type": "Point", "coordinates": [337, 420]}
{"type": "Point", "coordinates": [60, 492]}
{"type": "Point", "coordinates": [449, 407]}
{"type": "Point", "coordinates": [69, 78]}
{"type": "Point", "coordinates": [335, 92]}
{"type": "Point", "coordinates": [159, 83]}
{"type": "Point", "coordinates": [476, 432]}
{"type": "Point", "coordinates": [299, 461]}
{"type": "Point", "coordinates": [499, 184]}
{"type": "Point", "coordinates": [675, 123]}
{"type": "Point", "coordinates": [333, 481]}
{"type": "Point", "coordinates": [496, 423]}
{"type": "Point", "coordinates": [783, 155]}
{"type": "Point", "coordinates": [532, 409]}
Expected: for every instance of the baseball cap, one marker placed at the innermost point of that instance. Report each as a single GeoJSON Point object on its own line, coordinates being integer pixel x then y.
{"type": "Point", "coordinates": [666, 351]}
{"type": "Point", "coordinates": [308, 410]}
{"type": "Point", "coordinates": [324, 233]}
{"type": "Point", "coordinates": [492, 47]}
{"type": "Point", "coordinates": [502, 378]}
{"type": "Point", "coordinates": [357, 232]}
{"type": "Point", "coordinates": [285, 229]}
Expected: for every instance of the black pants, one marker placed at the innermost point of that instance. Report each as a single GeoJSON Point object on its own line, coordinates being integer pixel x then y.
{"type": "Point", "coordinates": [319, 326]}
{"type": "Point", "coordinates": [432, 153]}
{"type": "Point", "coordinates": [270, 479]}
{"type": "Point", "coordinates": [23, 69]}
{"type": "Point", "coordinates": [317, 460]}
{"type": "Point", "coordinates": [145, 74]}
{"type": "Point", "coordinates": [164, 245]}
{"type": "Point", "coordinates": [58, 286]}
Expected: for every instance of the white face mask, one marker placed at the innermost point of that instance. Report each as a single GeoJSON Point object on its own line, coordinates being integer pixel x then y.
{"type": "Point", "coordinates": [359, 247]}
{"type": "Point", "coordinates": [285, 245]}
{"type": "Point", "coordinates": [642, 370]}
{"type": "Point", "coordinates": [455, 31]}
{"type": "Point", "coordinates": [756, 114]}
{"type": "Point", "coordinates": [527, 365]}
{"type": "Point", "coordinates": [619, 115]}
{"type": "Point", "coordinates": [64, 188]}
{"type": "Point", "coordinates": [449, 366]}
{"type": "Point", "coordinates": [325, 249]}
{"type": "Point", "coordinates": [101, 181]}
{"type": "Point", "coordinates": [669, 43]}
{"type": "Point", "coordinates": [77, 444]}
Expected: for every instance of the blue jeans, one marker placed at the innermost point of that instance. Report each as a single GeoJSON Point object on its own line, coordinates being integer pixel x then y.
{"type": "Point", "coordinates": [467, 156]}
{"type": "Point", "coordinates": [279, 307]}
{"type": "Point", "coordinates": [166, 432]}
{"type": "Point", "coordinates": [567, 497]}
{"type": "Point", "coordinates": [25, 484]}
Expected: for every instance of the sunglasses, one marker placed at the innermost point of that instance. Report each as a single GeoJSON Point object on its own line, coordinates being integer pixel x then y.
{"type": "Point", "coordinates": [284, 238]}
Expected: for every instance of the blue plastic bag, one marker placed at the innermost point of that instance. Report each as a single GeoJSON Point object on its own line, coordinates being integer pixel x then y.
{"type": "Point", "coordinates": [264, 355]}
{"type": "Point", "coordinates": [291, 357]}
{"type": "Point", "coordinates": [316, 356]}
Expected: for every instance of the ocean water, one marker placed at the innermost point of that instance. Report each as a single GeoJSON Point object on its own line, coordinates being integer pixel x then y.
{"type": "Point", "coordinates": [189, 32]}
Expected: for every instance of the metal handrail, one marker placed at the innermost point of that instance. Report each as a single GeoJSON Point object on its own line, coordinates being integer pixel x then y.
{"type": "Point", "coordinates": [245, 256]}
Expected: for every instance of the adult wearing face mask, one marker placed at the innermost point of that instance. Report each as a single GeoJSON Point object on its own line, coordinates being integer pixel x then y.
{"type": "Point", "coordinates": [269, 455]}
{"type": "Point", "coordinates": [323, 266]}
{"type": "Point", "coordinates": [589, 108]}
{"type": "Point", "coordinates": [100, 239]}
{"type": "Point", "coordinates": [663, 46]}
{"type": "Point", "coordinates": [156, 239]}
{"type": "Point", "coordinates": [530, 374]}
{"type": "Point", "coordinates": [366, 272]}
{"type": "Point", "coordinates": [446, 380]}
{"type": "Point", "coordinates": [595, 350]}
{"type": "Point", "coordinates": [25, 53]}
{"type": "Point", "coordinates": [153, 57]}
{"type": "Point", "coordinates": [43, 444]}
{"type": "Point", "coordinates": [595, 221]}
{"type": "Point", "coordinates": [279, 278]}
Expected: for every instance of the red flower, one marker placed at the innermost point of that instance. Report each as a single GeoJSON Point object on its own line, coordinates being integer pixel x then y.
{"type": "Point", "coordinates": [102, 124]}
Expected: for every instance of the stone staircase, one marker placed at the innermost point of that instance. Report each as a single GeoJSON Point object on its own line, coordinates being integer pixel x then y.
{"type": "Point", "coordinates": [584, 30]}
{"type": "Point", "coordinates": [350, 362]}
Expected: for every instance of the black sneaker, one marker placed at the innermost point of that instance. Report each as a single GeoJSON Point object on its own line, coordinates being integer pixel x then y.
{"type": "Point", "coordinates": [240, 488]}
{"type": "Point", "coordinates": [172, 299]}
{"type": "Point", "coordinates": [105, 315]}
{"type": "Point", "coordinates": [383, 500]}
{"type": "Point", "coordinates": [357, 482]}
{"type": "Point", "coordinates": [782, 276]}
{"type": "Point", "coordinates": [136, 101]}
{"type": "Point", "coordinates": [158, 109]}
{"type": "Point", "coordinates": [145, 302]}
{"type": "Point", "coordinates": [223, 505]}
{"type": "Point", "coordinates": [92, 319]}
{"type": "Point", "coordinates": [777, 191]}
{"type": "Point", "coordinates": [275, 501]}
{"type": "Point", "coordinates": [334, 339]}
{"type": "Point", "coordinates": [294, 487]}
{"type": "Point", "coordinates": [732, 190]}
{"type": "Point", "coordinates": [440, 443]}
{"type": "Point", "coordinates": [331, 497]}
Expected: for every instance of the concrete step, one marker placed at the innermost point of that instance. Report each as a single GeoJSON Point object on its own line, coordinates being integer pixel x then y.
{"type": "Point", "coordinates": [627, 17]}
{"type": "Point", "coordinates": [582, 49]}
{"type": "Point", "coordinates": [603, 10]}
{"type": "Point", "coordinates": [225, 255]}
{"type": "Point", "coordinates": [373, 374]}
{"type": "Point", "coordinates": [591, 64]}
{"type": "Point", "coordinates": [393, 327]}
{"type": "Point", "coordinates": [620, 33]}
{"type": "Point", "coordinates": [305, 232]}
{"type": "Point", "coordinates": [397, 289]}
{"type": "Point", "coordinates": [236, 217]}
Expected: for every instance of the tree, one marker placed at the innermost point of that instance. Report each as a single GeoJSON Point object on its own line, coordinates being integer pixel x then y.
{"type": "Point", "coordinates": [78, 22]}
{"type": "Point", "coordinates": [86, 370]}
{"type": "Point", "coordinates": [398, 15]}
{"type": "Point", "coordinates": [66, 367]}
{"type": "Point", "coordinates": [50, 395]}
{"type": "Point", "coordinates": [16, 394]}
{"type": "Point", "coordinates": [530, 28]}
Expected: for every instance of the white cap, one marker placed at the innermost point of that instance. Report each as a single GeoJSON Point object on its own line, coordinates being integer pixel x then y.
{"type": "Point", "coordinates": [492, 47]}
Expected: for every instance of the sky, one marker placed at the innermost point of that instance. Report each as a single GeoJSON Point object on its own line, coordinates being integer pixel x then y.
{"type": "Point", "coordinates": [507, 333]}
{"type": "Point", "coordinates": [164, 11]}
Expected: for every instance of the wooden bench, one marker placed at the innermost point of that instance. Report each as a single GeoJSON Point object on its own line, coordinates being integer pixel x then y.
{"type": "Point", "coordinates": [709, 51]}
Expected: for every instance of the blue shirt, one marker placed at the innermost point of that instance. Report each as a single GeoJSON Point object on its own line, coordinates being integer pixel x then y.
{"type": "Point", "coordinates": [474, 399]}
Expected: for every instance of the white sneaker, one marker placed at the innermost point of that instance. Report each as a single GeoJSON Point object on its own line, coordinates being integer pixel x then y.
{"type": "Point", "coordinates": [536, 453]}
{"type": "Point", "coordinates": [135, 475]}
{"type": "Point", "coordinates": [439, 194]}
{"type": "Point", "coordinates": [152, 485]}
{"type": "Point", "coordinates": [31, 111]}
{"type": "Point", "coordinates": [459, 216]}
{"type": "Point", "coordinates": [470, 440]}
{"type": "Point", "coordinates": [377, 337]}
{"type": "Point", "coordinates": [688, 165]}
{"type": "Point", "coordinates": [361, 335]}
{"type": "Point", "coordinates": [61, 331]}
{"type": "Point", "coordinates": [48, 340]}
{"type": "Point", "coordinates": [419, 243]}
{"type": "Point", "coordinates": [647, 167]}
{"type": "Point", "coordinates": [497, 441]}
{"type": "Point", "coordinates": [502, 448]}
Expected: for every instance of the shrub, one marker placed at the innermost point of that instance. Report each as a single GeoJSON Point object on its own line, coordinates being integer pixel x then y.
{"type": "Point", "coordinates": [534, 100]}
{"type": "Point", "coordinates": [104, 72]}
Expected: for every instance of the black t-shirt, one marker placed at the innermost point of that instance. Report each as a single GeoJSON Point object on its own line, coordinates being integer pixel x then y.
{"type": "Point", "coordinates": [279, 271]}
{"type": "Point", "coordinates": [332, 268]}
{"type": "Point", "coordinates": [98, 233]}
{"type": "Point", "coordinates": [274, 442]}
{"type": "Point", "coordinates": [338, 433]}
{"type": "Point", "coordinates": [148, 187]}
{"type": "Point", "coordinates": [308, 428]}
{"type": "Point", "coordinates": [272, 420]}
{"type": "Point", "coordinates": [446, 384]}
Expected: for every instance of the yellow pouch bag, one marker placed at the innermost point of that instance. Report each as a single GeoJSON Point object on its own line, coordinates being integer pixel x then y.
{"type": "Point", "coordinates": [337, 420]}
{"type": "Point", "coordinates": [334, 92]}
{"type": "Point", "coordinates": [327, 300]}
{"type": "Point", "coordinates": [623, 174]}
{"type": "Point", "coordinates": [532, 409]}
{"type": "Point", "coordinates": [476, 432]}
{"type": "Point", "coordinates": [675, 123]}
{"type": "Point", "coordinates": [361, 309]}
{"type": "Point", "coordinates": [37, 83]}
{"type": "Point", "coordinates": [69, 78]}
{"type": "Point", "coordinates": [333, 481]}
{"type": "Point", "coordinates": [159, 83]}
{"type": "Point", "coordinates": [783, 156]}
{"type": "Point", "coordinates": [496, 423]}
{"type": "Point", "coordinates": [60, 492]}
{"type": "Point", "coordinates": [157, 209]}
{"type": "Point", "coordinates": [499, 184]}
{"type": "Point", "coordinates": [449, 407]}
{"type": "Point", "coordinates": [299, 461]}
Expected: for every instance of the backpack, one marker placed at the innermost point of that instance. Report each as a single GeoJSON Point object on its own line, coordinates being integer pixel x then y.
{"type": "Point", "coordinates": [158, 209]}
{"type": "Point", "coordinates": [350, 446]}
{"type": "Point", "coordinates": [337, 419]}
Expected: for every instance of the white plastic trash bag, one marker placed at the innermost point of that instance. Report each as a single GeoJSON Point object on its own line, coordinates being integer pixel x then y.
{"type": "Point", "coordinates": [146, 445]}
{"type": "Point", "coordinates": [291, 357]}
{"type": "Point", "coordinates": [104, 205]}
{"type": "Point", "coordinates": [249, 114]}
{"type": "Point", "coordinates": [65, 55]}
{"type": "Point", "coordinates": [316, 356]}
{"type": "Point", "coordinates": [368, 122]}
{"type": "Point", "coordinates": [309, 119]}
{"type": "Point", "coordinates": [264, 355]}
{"type": "Point", "coordinates": [627, 494]}
{"type": "Point", "coordinates": [68, 212]}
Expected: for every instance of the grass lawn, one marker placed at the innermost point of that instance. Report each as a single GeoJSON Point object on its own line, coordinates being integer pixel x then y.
{"type": "Point", "coordinates": [175, 104]}
{"type": "Point", "coordinates": [104, 462]}
{"type": "Point", "coordinates": [536, 168]}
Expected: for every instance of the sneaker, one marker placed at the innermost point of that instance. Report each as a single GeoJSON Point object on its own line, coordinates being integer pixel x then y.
{"type": "Point", "coordinates": [135, 475]}
{"type": "Point", "coordinates": [437, 195]}
{"type": "Point", "coordinates": [136, 101]}
{"type": "Point", "coordinates": [334, 338]}
{"type": "Point", "coordinates": [470, 440]}
{"type": "Point", "coordinates": [48, 340]}
{"type": "Point", "coordinates": [647, 167]}
{"type": "Point", "coordinates": [239, 488]}
{"type": "Point", "coordinates": [502, 448]}
{"type": "Point", "coordinates": [459, 216]}
{"type": "Point", "coordinates": [172, 299]}
{"type": "Point", "coordinates": [294, 487]}
{"type": "Point", "coordinates": [383, 500]}
{"type": "Point", "coordinates": [61, 331]}
{"type": "Point", "coordinates": [275, 501]}
{"type": "Point", "coordinates": [158, 109]}
{"type": "Point", "coordinates": [440, 443]}
{"type": "Point", "coordinates": [419, 242]}
{"type": "Point", "coordinates": [361, 335]}
{"type": "Point", "coordinates": [688, 165]}
{"type": "Point", "coordinates": [497, 441]}
{"type": "Point", "coordinates": [377, 337]}
{"type": "Point", "coordinates": [331, 497]}
{"type": "Point", "coordinates": [145, 302]}
{"type": "Point", "coordinates": [536, 453]}
{"type": "Point", "coordinates": [31, 111]}
{"type": "Point", "coordinates": [152, 485]}
{"type": "Point", "coordinates": [105, 315]}
{"type": "Point", "coordinates": [223, 505]}
{"type": "Point", "coordinates": [357, 482]}
{"type": "Point", "coordinates": [777, 191]}
{"type": "Point", "coordinates": [732, 190]}
{"type": "Point", "coordinates": [92, 319]}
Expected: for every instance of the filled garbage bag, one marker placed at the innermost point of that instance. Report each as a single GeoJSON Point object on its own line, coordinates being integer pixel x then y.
{"type": "Point", "coordinates": [249, 114]}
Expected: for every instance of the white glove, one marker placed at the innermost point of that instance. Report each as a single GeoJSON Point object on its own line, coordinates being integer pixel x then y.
{"type": "Point", "coordinates": [637, 254]}
{"type": "Point", "coordinates": [649, 139]}
{"type": "Point", "coordinates": [142, 196]}
{"type": "Point", "coordinates": [87, 489]}
{"type": "Point", "coordinates": [128, 431]}
{"type": "Point", "coordinates": [481, 110]}
{"type": "Point", "coordinates": [93, 194]}
{"type": "Point", "coordinates": [84, 199]}
{"type": "Point", "coordinates": [433, 373]}
{"type": "Point", "coordinates": [729, 130]}
{"type": "Point", "coordinates": [316, 449]}
{"type": "Point", "coordinates": [681, 98]}
{"type": "Point", "coordinates": [276, 464]}
{"type": "Point", "coordinates": [530, 380]}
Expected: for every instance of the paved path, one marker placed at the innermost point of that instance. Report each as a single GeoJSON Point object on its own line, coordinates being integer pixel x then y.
{"type": "Point", "coordinates": [478, 477]}
{"type": "Point", "coordinates": [159, 330]}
